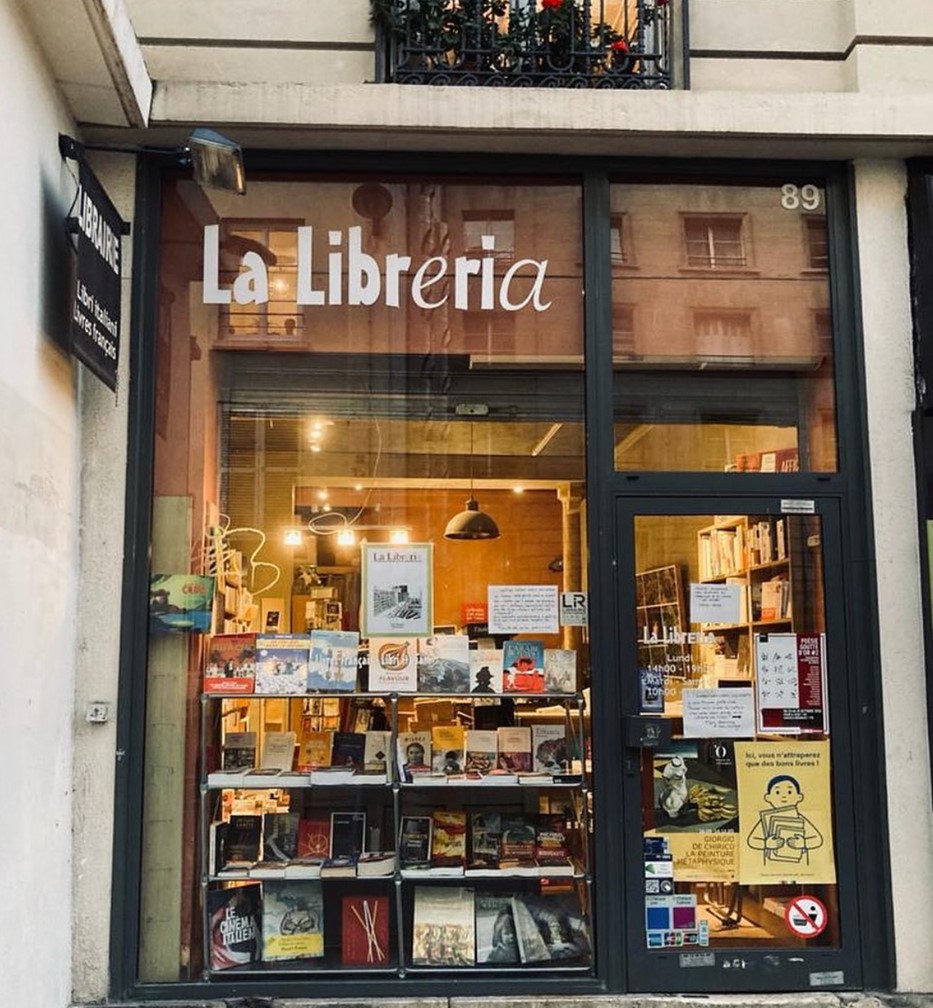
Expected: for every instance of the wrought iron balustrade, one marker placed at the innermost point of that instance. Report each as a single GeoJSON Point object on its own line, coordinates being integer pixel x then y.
{"type": "Point", "coordinates": [526, 43]}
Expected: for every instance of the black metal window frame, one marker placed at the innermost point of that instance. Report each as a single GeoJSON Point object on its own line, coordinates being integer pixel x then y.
{"type": "Point", "coordinates": [848, 486]}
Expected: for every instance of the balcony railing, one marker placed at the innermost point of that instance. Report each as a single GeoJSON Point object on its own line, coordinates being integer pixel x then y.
{"type": "Point", "coordinates": [526, 43]}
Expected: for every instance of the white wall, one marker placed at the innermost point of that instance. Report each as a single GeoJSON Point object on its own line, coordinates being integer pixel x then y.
{"type": "Point", "coordinates": [39, 477]}
{"type": "Point", "coordinates": [882, 246]}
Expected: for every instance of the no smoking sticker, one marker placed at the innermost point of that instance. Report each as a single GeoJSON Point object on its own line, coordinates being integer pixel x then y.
{"type": "Point", "coordinates": [806, 916]}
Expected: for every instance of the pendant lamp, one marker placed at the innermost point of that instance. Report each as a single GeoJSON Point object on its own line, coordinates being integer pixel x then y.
{"type": "Point", "coordinates": [471, 523]}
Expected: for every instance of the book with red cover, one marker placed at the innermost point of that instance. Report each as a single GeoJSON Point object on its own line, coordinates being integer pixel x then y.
{"type": "Point", "coordinates": [231, 664]}
{"type": "Point", "coordinates": [364, 939]}
{"type": "Point", "coordinates": [314, 837]}
{"type": "Point", "coordinates": [448, 838]}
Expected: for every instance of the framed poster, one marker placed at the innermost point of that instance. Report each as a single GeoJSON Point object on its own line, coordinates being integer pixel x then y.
{"type": "Point", "coordinates": [397, 588]}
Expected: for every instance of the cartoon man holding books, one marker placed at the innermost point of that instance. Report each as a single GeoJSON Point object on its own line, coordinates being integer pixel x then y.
{"type": "Point", "coordinates": [782, 832]}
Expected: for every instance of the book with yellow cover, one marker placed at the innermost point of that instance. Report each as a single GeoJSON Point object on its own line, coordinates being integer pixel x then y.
{"type": "Point", "coordinates": [315, 750]}
{"type": "Point", "coordinates": [447, 744]}
{"type": "Point", "coordinates": [448, 838]}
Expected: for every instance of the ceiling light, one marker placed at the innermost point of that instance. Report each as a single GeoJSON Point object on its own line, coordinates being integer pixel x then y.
{"type": "Point", "coordinates": [346, 537]}
{"type": "Point", "coordinates": [471, 523]}
{"type": "Point", "coordinates": [518, 489]}
{"type": "Point", "coordinates": [322, 495]}
{"type": "Point", "coordinates": [315, 447]}
{"type": "Point", "coordinates": [358, 487]}
{"type": "Point", "coordinates": [398, 536]}
{"type": "Point", "coordinates": [293, 537]}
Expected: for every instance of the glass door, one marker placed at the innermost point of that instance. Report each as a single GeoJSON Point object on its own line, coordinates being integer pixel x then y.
{"type": "Point", "coordinates": [737, 788]}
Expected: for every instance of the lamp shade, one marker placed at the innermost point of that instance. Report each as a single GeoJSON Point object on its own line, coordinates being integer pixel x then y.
{"type": "Point", "coordinates": [471, 524]}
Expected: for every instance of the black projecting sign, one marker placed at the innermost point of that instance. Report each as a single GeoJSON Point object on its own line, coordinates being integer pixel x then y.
{"type": "Point", "coordinates": [95, 317]}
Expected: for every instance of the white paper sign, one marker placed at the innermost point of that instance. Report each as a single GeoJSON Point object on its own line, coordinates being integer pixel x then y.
{"type": "Point", "coordinates": [715, 603]}
{"type": "Point", "coordinates": [574, 609]}
{"type": "Point", "coordinates": [719, 713]}
{"type": "Point", "coordinates": [522, 609]}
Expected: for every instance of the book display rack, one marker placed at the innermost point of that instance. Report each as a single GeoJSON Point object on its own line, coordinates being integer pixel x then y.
{"type": "Point", "coordinates": [395, 833]}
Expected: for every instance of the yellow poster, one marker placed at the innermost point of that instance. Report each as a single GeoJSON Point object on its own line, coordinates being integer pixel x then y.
{"type": "Point", "coordinates": [785, 812]}
{"type": "Point", "coordinates": [705, 857]}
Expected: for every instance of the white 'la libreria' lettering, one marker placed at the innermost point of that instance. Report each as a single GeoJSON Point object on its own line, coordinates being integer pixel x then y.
{"type": "Point", "coordinates": [354, 277]}
{"type": "Point", "coordinates": [677, 637]}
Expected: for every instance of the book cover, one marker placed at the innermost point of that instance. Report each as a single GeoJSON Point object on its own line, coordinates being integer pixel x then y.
{"type": "Point", "coordinates": [242, 840]}
{"type": "Point", "coordinates": [314, 750]}
{"type": "Point", "coordinates": [180, 603]}
{"type": "Point", "coordinates": [239, 750]}
{"type": "Point", "coordinates": [314, 836]}
{"type": "Point", "coordinates": [482, 750]}
{"type": "Point", "coordinates": [550, 928]}
{"type": "Point", "coordinates": [347, 832]}
{"type": "Point", "coordinates": [280, 836]}
{"type": "Point", "coordinates": [448, 746]}
{"type": "Point", "coordinates": [549, 748]}
{"type": "Point", "coordinates": [448, 838]}
{"type": "Point", "coordinates": [444, 930]}
{"type": "Point", "coordinates": [278, 750]}
{"type": "Point", "coordinates": [444, 664]}
{"type": "Point", "coordinates": [349, 750]}
{"type": "Point", "coordinates": [514, 748]}
{"type": "Point", "coordinates": [518, 840]}
{"type": "Point", "coordinates": [551, 842]}
{"type": "Point", "coordinates": [292, 920]}
{"type": "Point", "coordinates": [560, 670]}
{"type": "Point", "coordinates": [414, 753]}
{"type": "Point", "coordinates": [486, 671]}
{"type": "Point", "coordinates": [495, 929]}
{"type": "Point", "coordinates": [332, 661]}
{"type": "Point", "coordinates": [216, 839]}
{"type": "Point", "coordinates": [485, 839]}
{"type": "Point", "coordinates": [393, 665]}
{"type": "Point", "coordinates": [234, 917]}
{"type": "Point", "coordinates": [364, 930]}
{"type": "Point", "coordinates": [377, 751]}
{"type": "Point", "coordinates": [414, 841]}
{"type": "Point", "coordinates": [282, 663]}
{"type": "Point", "coordinates": [231, 664]}
{"type": "Point", "coordinates": [376, 864]}
{"type": "Point", "coordinates": [523, 666]}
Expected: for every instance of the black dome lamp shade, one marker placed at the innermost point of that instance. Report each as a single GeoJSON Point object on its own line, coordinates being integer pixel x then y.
{"type": "Point", "coordinates": [471, 523]}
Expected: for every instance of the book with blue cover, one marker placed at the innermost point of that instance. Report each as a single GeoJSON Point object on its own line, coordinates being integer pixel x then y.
{"type": "Point", "coordinates": [333, 660]}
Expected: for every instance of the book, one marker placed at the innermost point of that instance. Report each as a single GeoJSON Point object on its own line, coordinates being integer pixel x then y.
{"type": "Point", "coordinates": [447, 744]}
{"type": "Point", "coordinates": [364, 930]}
{"type": "Point", "coordinates": [239, 750]}
{"type": "Point", "coordinates": [314, 749]}
{"type": "Point", "coordinates": [560, 670]}
{"type": "Point", "coordinates": [377, 752]}
{"type": "Point", "coordinates": [242, 840]}
{"type": "Point", "coordinates": [414, 841]}
{"type": "Point", "coordinates": [216, 836]}
{"type": "Point", "coordinates": [482, 750]}
{"type": "Point", "coordinates": [376, 864]}
{"type": "Point", "coordinates": [304, 867]}
{"type": "Point", "coordinates": [347, 830]}
{"type": "Point", "coordinates": [292, 919]}
{"type": "Point", "coordinates": [517, 849]}
{"type": "Point", "coordinates": [235, 923]}
{"type": "Point", "coordinates": [444, 664]}
{"type": "Point", "coordinates": [332, 661]}
{"type": "Point", "coordinates": [551, 851]}
{"type": "Point", "coordinates": [267, 869]}
{"type": "Point", "coordinates": [523, 666]}
{"type": "Point", "coordinates": [280, 836]}
{"type": "Point", "coordinates": [444, 930]}
{"type": "Point", "coordinates": [549, 748]}
{"type": "Point", "coordinates": [339, 866]}
{"type": "Point", "coordinates": [495, 929]}
{"type": "Point", "coordinates": [393, 665]}
{"type": "Point", "coordinates": [282, 663]}
{"type": "Point", "coordinates": [485, 840]}
{"type": "Point", "coordinates": [333, 775]}
{"type": "Point", "coordinates": [278, 751]}
{"type": "Point", "coordinates": [514, 748]}
{"type": "Point", "coordinates": [486, 671]}
{"type": "Point", "coordinates": [180, 603]}
{"type": "Point", "coordinates": [231, 664]}
{"type": "Point", "coordinates": [550, 928]}
{"type": "Point", "coordinates": [314, 836]}
{"type": "Point", "coordinates": [448, 838]}
{"type": "Point", "coordinates": [348, 750]}
{"type": "Point", "coordinates": [414, 753]}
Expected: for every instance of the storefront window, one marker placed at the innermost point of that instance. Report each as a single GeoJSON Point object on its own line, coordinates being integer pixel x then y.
{"type": "Point", "coordinates": [723, 359]}
{"type": "Point", "coordinates": [369, 498]}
